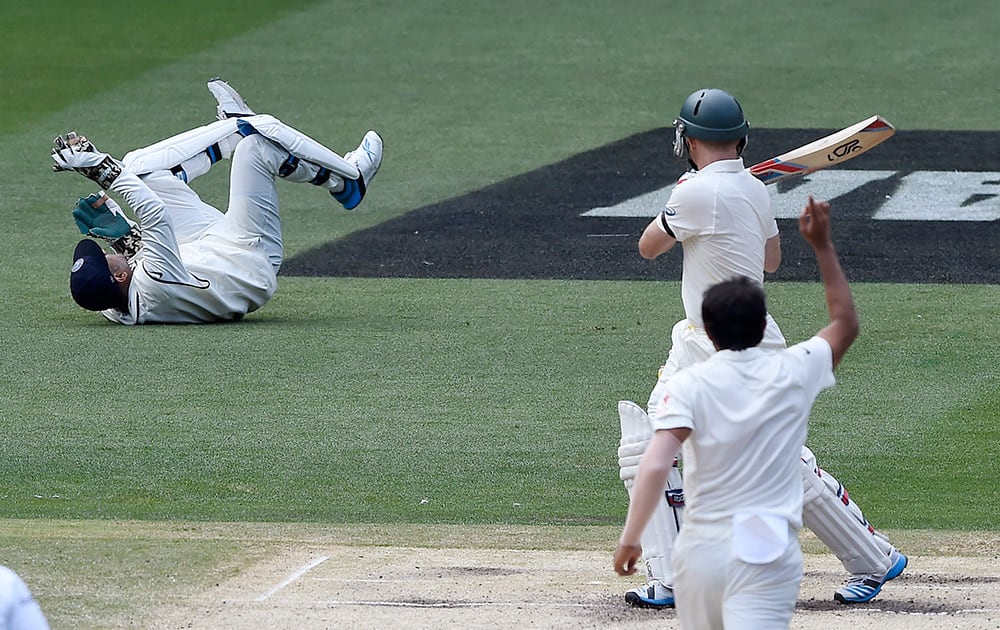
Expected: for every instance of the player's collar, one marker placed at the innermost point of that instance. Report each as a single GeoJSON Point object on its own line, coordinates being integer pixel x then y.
{"type": "Point", "coordinates": [724, 166]}
{"type": "Point", "coordinates": [741, 355]}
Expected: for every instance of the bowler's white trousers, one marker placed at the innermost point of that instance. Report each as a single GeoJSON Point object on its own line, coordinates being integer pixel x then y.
{"type": "Point", "coordinates": [715, 591]}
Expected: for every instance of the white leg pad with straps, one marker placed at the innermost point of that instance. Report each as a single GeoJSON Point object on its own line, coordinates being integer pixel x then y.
{"type": "Point", "coordinates": [837, 521]}
{"type": "Point", "coordinates": [220, 138]}
{"type": "Point", "coordinates": [299, 144]}
{"type": "Point", "coordinates": [657, 539]}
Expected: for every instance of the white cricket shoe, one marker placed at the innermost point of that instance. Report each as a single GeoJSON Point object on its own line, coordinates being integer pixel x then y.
{"type": "Point", "coordinates": [231, 104]}
{"type": "Point", "coordinates": [653, 594]}
{"type": "Point", "coordinates": [368, 158]}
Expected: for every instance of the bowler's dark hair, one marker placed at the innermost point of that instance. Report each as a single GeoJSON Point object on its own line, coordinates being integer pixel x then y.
{"type": "Point", "coordinates": [735, 313]}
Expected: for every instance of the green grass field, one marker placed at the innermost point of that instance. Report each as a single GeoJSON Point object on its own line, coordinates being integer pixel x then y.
{"type": "Point", "coordinates": [350, 401]}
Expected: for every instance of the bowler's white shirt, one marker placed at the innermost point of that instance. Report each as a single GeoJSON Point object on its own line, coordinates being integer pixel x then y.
{"type": "Point", "coordinates": [748, 412]}
{"type": "Point", "coordinates": [722, 217]}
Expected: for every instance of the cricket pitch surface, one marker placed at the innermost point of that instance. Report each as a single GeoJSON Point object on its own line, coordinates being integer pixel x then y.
{"type": "Point", "coordinates": [520, 578]}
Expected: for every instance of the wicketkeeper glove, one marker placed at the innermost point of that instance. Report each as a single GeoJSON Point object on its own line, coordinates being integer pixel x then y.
{"type": "Point", "coordinates": [100, 216]}
{"type": "Point", "coordinates": [73, 152]}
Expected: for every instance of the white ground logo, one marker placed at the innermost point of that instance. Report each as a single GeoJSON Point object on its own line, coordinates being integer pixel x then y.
{"type": "Point", "coordinates": [919, 196]}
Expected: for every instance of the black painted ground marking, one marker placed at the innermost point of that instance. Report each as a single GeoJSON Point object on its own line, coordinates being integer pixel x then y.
{"type": "Point", "coordinates": [530, 226]}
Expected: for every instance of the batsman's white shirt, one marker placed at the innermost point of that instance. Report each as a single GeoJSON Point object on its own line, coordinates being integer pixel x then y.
{"type": "Point", "coordinates": [748, 412]}
{"type": "Point", "coordinates": [197, 264]}
{"type": "Point", "coordinates": [722, 217]}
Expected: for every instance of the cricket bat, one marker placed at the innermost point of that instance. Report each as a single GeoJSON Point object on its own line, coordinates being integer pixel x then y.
{"type": "Point", "coordinates": [835, 148]}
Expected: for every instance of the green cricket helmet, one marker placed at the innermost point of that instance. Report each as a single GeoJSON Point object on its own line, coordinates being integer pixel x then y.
{"type": "Point", "coordinates": [710, 114]}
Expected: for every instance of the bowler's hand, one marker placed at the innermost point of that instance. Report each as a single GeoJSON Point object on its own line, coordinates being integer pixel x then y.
{"type": "Point", "coordinates": [814, 223]}
{"type": "Point", "coordinates": [626, 557]}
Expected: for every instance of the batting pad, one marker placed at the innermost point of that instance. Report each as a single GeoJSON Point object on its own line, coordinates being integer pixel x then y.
{"type": "Point", "coordinates": [657, 539]}
{"type": "Point", "coordinates": [219, 137]}
{"type": "Point", "coordinates": [299, 144]}
{"type": "Point", "coordinates": [837, 521]}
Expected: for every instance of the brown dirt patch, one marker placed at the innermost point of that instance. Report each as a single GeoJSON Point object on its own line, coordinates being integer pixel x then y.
{"type": "Point", "coordinates": [439, 577]}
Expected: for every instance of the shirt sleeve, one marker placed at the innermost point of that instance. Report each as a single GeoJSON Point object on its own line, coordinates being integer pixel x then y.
{"type": "Point", "coordinates": [686, 212]}
{"type": "Point", "coordinates": [768, 222]}
{"type": "Point", "coordinates": [771, 229]}
{"type": "Point", "coordinates": [815, 357]}
{"type": "Point", "coordinates": [161, 257]}
{"type": "Point", "coordinates": [675, 410]}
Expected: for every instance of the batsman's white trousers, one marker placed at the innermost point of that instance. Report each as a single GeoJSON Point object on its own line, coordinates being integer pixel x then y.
{"type": "Point", "coordinates": [715, 590]}
{"type": "Point", "coordinates": [253, 200]}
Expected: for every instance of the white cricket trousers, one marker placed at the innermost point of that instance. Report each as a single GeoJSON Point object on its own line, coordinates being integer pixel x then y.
{"type": "Point", "coordinates": [253, 200]}
{"type": "Point", "coordinates": [715, 591]}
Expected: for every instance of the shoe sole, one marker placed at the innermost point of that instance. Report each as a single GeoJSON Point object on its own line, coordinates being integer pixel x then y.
{"type": "Point", "coordinates": [381, 153]}
{"type": "Point", "coordinates": [638, 602]}
{"type": "Point", "coordinates": [233, 95]}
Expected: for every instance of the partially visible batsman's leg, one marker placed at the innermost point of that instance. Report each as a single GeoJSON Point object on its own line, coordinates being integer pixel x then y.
{"type": "Point", "coordinates": [658, 538]}
{"type": "Point", "coordinates": [838, 522]}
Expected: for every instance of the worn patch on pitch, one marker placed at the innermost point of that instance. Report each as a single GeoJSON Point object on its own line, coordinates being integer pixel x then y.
{"type": "Point", "coordinates": [922, 207]}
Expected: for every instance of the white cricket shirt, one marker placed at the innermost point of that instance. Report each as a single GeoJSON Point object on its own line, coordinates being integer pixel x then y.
{"type": "Point", "coordinates": [217, 277]}
{"type": "Point", "coordinates": [748, 412]}
{"type": "Point", "coordinates": [722, 217]}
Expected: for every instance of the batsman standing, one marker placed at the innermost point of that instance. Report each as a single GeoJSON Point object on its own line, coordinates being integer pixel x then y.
{"type": "Point", "coordinates": [722, 216]}
{"type": "Point", "coordinates": [185, 261]}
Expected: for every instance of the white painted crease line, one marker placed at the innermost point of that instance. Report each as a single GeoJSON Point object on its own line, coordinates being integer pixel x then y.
{"type": "Point", "coordinates": [390, 604]}
{"type": "Point", "coordinates": [928, 613]}
{"type": "Point", "coordinates": [366, 580]}
{"type": "Point", "coordinates": [291, 578]}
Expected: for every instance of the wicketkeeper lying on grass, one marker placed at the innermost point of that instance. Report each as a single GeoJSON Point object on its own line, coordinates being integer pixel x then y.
{"type": "Point", "coordinates": [742, 416]}
{"type": "Point", "coordinates": [185, 261]}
